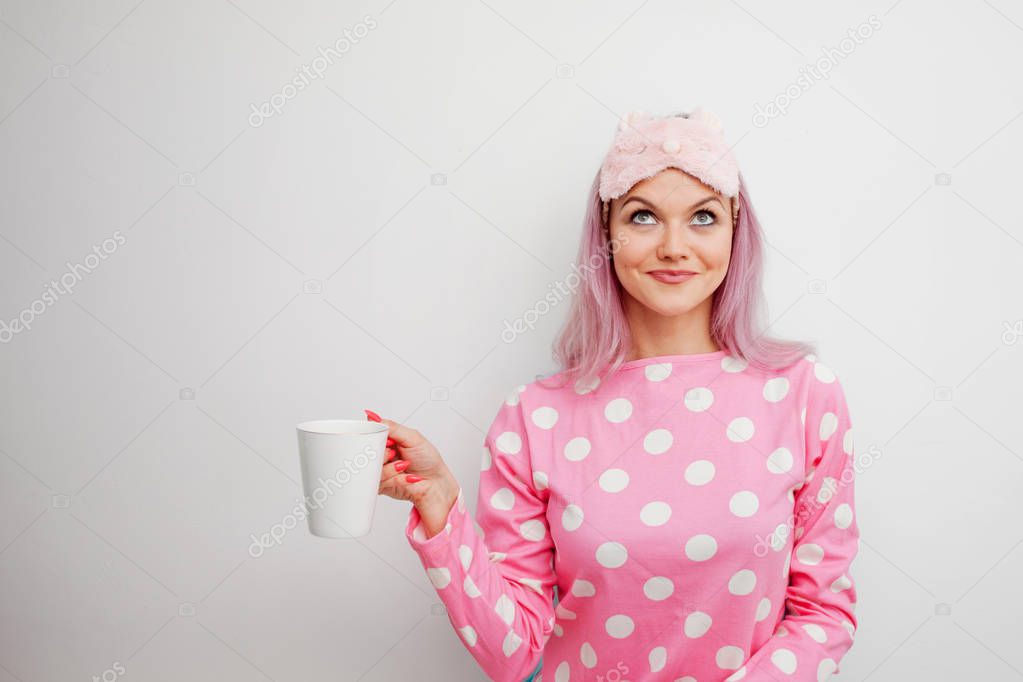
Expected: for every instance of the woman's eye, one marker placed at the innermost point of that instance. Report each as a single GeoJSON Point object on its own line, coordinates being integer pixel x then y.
{"type": "Point", "coordinates": [642, 212]}
{"type": "Point", "coordinates": [710, 214]}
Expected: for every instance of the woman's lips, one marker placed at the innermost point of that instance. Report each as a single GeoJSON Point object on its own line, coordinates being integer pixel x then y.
{"type": "Point", "coordinates": [670, 278]}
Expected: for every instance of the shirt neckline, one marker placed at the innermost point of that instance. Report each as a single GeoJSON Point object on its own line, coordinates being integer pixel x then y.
{"type": "Point", "coordinates": [674, 359]}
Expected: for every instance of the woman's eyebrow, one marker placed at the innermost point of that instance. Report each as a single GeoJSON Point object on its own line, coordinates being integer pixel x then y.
{"type": "Point", "coordinates": [705, 200]}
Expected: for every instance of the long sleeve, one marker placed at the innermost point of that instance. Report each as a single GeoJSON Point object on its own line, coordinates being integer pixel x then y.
{"type": "Point", "coordinates": [498, 592]}
{"type": "Point", "coordinates": [819, 623]}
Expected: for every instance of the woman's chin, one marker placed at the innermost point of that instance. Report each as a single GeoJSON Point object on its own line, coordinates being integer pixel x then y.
{"type": "Point", "coordinates": [670, 306]}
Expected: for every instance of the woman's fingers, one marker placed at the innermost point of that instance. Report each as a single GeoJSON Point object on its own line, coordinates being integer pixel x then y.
{"type": "Point", "coordinates": [402, 435]}
{"type": "Point", "coordinates": [391, 449]}
{"type": "Point", "coordinates": [397, 485]}
{"type": "Point", "coordinates": [393, 469]}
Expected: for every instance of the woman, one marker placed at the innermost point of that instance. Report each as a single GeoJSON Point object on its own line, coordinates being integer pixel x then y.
{"type": "Point", "coordinates": [685, 483]}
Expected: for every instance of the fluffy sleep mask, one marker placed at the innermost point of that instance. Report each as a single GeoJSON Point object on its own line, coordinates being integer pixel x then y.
{"type": "Point", "coordinates": [645, 144]}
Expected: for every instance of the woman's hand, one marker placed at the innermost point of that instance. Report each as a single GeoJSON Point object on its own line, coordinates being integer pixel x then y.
{"type": "Point", "coordinates": [414, 471]}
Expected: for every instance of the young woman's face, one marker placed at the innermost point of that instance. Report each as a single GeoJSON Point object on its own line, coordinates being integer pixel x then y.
{"type": "Point", "coordinates": [671, 221]}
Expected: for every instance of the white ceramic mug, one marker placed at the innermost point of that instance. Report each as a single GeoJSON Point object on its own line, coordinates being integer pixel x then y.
{"type": "Point", "coordinates": [341, 464]}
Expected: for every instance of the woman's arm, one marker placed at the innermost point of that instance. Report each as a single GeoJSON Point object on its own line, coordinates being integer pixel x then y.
{"type": "Point", "coordinates": [498, 593]}
{"type": "Point", "coordinates": [819, 623]}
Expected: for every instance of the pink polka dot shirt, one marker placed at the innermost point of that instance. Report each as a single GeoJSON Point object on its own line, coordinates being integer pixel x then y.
{"type": "Point", "coordinates": [693, 515]}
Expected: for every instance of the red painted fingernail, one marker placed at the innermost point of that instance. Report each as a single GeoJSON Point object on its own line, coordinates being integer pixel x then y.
{"type": "Point", "coordinates": [371, 415]}
{"type": "Point", "coordinates": [390, 442]}
{"type": "Point", "coordinates": [412, 478]}
{"type": "Point", "coordinates": [401, 465]}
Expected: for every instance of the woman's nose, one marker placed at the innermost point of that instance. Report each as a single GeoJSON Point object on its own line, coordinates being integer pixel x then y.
{"type": "Point", "coordinates": [674, 242]}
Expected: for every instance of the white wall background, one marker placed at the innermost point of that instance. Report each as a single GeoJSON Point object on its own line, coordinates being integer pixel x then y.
{"type": "Point", "coordinates": [311, 266]}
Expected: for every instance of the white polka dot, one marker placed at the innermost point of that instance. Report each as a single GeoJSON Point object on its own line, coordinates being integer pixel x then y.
{"type": "Point", "coordinates": [468, 634]}
{"type": "Point", "coordinates": [829, 422]}
{"type": "Point", "coordinates": [732, 364]}
{"type": "Point", "coordinates": [465, 556]}
{"type": "Point", "coordinates": [658, 657]}
{"type": "Point", "coordinates": [784, 660]}
{"type": "Point", "coordinates": [809, 554]}
{"type": "Point", "coordinates": [505, 608]}
{"type": "Point", "coordinates": [618, 410]}
{"type": "Point", "coordinates": [513, 398]}
{"type": "Point", "coordinates": [561, 672]}
{"type": "Point", "coordinates": [776, 389]}
{"type": "Point", "coordinates": [779, 461]}
{"type": "Point", "coordinates": [540, 480]}
{"type": "Point", "coordinates": [696, 625]}
{"type": "Point", "coordinates": [827, 490]}
{"type": "Point", "coordinates": [440, 577]}
{"type": "Point", "coordinates": [847, 441]}
{"type": "Point", "coordinates": [533, 530]}
{"type": "Point", "coordinates": [614, 480]}
{"type": "Point", "coordinates": [563, 613]}
{"type": "Point", "coordinates": [545, 417]}
{"type": "Point", "coordinates": [572, 517]}
{"type": "Point", "coordinates": [503, 499]}
{"type": "Point", "coordinates": [823, 373]}
{"type": "Point", "coordinates": [729, 657]}
{"type": "Point", "coordinates": [701, 547]}
{"type": "Point", "coordinates": [779, 537]}
{"type": "Point", "coordinates": [699, 399]}
{"type": "Point", "coordinates": [587, 655]}
{"type": "Point", "coordinates": [583, 588]}
{"type": "Point", "coordinates": [584, 386]}
{"type": "Point", "coordinates": [842, 582]}
{"type": "Point", "coordinates": [737, 675]}
{"type": "Point", "coordinates": [744, 503]}
{"type": "Point", "coordinates": [843, 516]}
{"type": "Point", "coordinates": [658, 588]}
{"type": "Point", "coordinates": [740, 429]}
{"type": "Point", "coordinates": [810, 357]}
{"type": "Point", "coordinates": [700, 472]}
{"type": "Point", "coordinates": [496, 556]}
{"type": "Point", "coordinates": [612, 554]}
{"type": "Point", "coordinates": [658, 371]}
{"type": "Point", "coordinates": [763, 609]}
{"type": "Point", "coordinates": [816, 632]}
{"type": "Point", "coordinates": [509, 443]}
{"type": "Point", "coordinates": [511, 643]}
{"type": "Point", "coordinates": [802, 416]}
{"type": "Point", "coordinates": [619, 626]}
{"type": "Point", "coordinates": [743, 582]}
{"type": "Point", "coordinates": [657, 441]}
{"type": "Point", "coordinates": [655, 513]}
{"type": "Point", "coordinates": [418, 533]}
{"type": "Point", "coordinates": [826, 669]}
{"type": "Point", "coordinates": [577, 449]}
{"type": "Point", "coordinates": [470, 589]}
{"type": "Point", "coordinates": [558, 630]}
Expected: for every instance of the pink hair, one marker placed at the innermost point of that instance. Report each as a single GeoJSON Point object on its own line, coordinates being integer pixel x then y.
{"type": "Point", "coordinates": [595, 339]}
